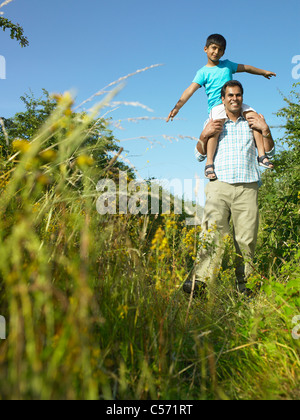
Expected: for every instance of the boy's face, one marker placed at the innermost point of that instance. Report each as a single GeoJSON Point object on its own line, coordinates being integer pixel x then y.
{"type": "Point", "coordinates": [214, 52]}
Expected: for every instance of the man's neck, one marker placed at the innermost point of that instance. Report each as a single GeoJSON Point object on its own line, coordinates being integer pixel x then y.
{"type": "Point", "coordinates": [233, 116]}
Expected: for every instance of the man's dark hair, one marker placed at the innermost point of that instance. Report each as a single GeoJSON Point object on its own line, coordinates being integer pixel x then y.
{"type": "Point", "coordinates": [216, 39]}
{"type": "Point", "coordinates": [231, 83]}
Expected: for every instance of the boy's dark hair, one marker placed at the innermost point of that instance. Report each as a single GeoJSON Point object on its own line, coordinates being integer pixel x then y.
{"type": "Point", "coordinates": [216, 39]}
{"type": "Point", "coordinates": [231, 83]}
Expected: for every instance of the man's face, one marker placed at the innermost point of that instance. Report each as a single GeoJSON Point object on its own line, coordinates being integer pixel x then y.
{"type": "Point", "coordinates": [214, 52]}
{"type": "Point", "coordinates": [233, 100]}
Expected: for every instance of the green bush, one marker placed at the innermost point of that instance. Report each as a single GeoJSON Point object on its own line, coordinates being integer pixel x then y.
{"type": "Point", "coordinates": [93, 303]}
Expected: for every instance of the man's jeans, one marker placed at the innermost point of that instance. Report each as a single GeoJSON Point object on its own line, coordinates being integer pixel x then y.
{"type": "Point", "coordinates": [224, 202]}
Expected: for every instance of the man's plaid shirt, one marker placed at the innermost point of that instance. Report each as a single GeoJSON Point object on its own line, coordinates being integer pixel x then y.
{"type": "Point", "coordinates": [236, 157]}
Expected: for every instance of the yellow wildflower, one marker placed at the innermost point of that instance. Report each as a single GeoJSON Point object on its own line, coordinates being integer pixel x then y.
{"type": "Point", "coordinates": [20, 145]}
{"type": "Point", "coordinates": [84, 161]}
{"type": "Point", "coordinates": [44, 179]}
{"type": "Point", "coordinates": [48, 156]}
{"type": "Point", "coordinates": [63, 99]}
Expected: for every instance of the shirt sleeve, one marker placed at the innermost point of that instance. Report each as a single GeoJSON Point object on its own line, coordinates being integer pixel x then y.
{"type": "Point", "coordinates": [200, 78]}
{"type": "Point", "coordinates": [233, 66]}
{"type": "Point", "coordinates": [198, 155]}
{"type": "Point", "coordinates": [272, 153]}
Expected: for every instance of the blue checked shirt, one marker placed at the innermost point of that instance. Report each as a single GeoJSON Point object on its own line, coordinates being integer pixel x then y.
{"type": "Point", "coordinates": [236, 157]}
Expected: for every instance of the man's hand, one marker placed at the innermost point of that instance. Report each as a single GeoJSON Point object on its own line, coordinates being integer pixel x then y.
{"type": "Point", "coordinates": [258, 122]}
{"type": "Point", "coordinates": [172, 114]}
{"type": "Point", "coordinates": [269, 74]}
{"type": "Point", "coordinates": [211, 129]}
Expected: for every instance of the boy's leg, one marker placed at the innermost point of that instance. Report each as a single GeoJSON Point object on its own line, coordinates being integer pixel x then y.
{"type": "Point", "coordinates": [259, 141]}
{"type": "Point", "coordinates": [212, 145]}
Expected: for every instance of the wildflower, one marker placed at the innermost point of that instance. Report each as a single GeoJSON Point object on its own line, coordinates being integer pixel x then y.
{"type": "Point", "coordinates": [161, 245]}
{"type": "Point", "coordinates": [43, 179]}
{"type": "Point", "coordinates": [123, 311]}
{"type": "Point", "coordinates": [48, 156]}
{"type": "Point", "coordinates": [63, 169]}
{"type": "Point", "coordinates": [171, 224]}
{"type": "Point", "coordinates": [20, 145]}
{"type": "Point", "coordinates": [33, 164]}
{"type": "Point", "coordinates": [65, 100]}
{"type": "Point", "coordinates": [56, 96]}
{"type": "Point", "coordinates": [68, 112]}
{"type": "Point", "coordinates": [84, 161]}
{"type": "Point", "coordinates": [157, 238]}
{"type": "Point", "coordinates": [36, 207]}
{"type": "Point", "coordinates": [191, 240]}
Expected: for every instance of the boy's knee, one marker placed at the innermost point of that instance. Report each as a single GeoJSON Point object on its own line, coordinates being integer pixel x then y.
{"type": "Point", "coordinates": [221, 120]}
{"type": "Point", "coordinates": [249, 114]}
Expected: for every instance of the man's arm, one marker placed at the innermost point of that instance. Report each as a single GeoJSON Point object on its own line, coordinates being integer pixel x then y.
{"type": "Point", "coordinates": [211, 129]}
{"type": "Point", "coordinates": [258, 122]}
{"type": "Point", "coordinates": [243, 68]}
{"type": "Point", "coordinates": [187, 94]}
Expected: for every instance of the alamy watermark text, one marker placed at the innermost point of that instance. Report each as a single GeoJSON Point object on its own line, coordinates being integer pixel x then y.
{"type": "Point", "coordinates": [296, 68]}
{"type": "Point", "coordinates": [2, 67]}
{"type": "Point", "coordinates": [2, 328]}
{"type": "Point", "coordinates": [153, 197]}
{"type": "Point", "coordinates": [296, 330]}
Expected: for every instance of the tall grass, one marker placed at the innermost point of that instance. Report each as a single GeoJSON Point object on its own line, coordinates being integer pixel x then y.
{"type": "Point", "coordinates": [94, 305]}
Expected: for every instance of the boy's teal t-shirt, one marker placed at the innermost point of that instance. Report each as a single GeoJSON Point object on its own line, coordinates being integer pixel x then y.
{"type": "Point", "coordinates": [214, 78]}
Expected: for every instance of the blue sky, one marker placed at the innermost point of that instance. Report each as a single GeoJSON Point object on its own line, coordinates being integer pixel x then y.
{"type": "Point", "coordinates": [87, 45]}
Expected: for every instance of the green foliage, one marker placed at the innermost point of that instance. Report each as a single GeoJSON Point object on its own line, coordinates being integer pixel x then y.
{"type": "Point", "coordinates": [24, 125]}
{"type": "Point", "coordinates": [94, 304]}
{"type": "Point", "coordinates": [16, 31]}
{"type": "Point", "coordinates": [280, 195]}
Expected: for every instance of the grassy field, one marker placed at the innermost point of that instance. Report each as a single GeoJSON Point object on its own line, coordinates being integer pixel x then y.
{"type": "Point", "coordinates": [94, 305]}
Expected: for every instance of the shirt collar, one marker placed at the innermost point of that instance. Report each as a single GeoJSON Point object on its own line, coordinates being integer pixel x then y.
{"type": "Point", "coordinates": [241, 118]}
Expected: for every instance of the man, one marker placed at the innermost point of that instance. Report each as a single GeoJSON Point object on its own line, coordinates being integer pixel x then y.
{"type": "Point", "coordinates": [234, 195]}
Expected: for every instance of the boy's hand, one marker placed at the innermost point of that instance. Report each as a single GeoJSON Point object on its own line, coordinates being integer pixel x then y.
{"type": "Point", "coordinates": [269, 74]}
{"type": "Point", "coordinates": [172, 114]}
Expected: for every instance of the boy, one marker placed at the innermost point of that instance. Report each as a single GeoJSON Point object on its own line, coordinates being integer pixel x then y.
{"type": "Point", "coordinates": [213, 76]}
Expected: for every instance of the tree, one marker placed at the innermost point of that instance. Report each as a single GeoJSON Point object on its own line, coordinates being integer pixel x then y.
{"type": "Point", "coordinates": [24, 125]}
{"type": "Point", "coordinates": [16, 31]}
{"type": "Point", "coordinates": [279, 198]}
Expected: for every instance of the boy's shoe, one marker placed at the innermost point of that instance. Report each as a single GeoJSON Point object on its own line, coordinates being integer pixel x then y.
{"type": "Point", "coordinates": [199, 289]}
{"type": "Point", "coordinates": [211, 175]}
{"type": "Point", "coordinates": [267, 165]}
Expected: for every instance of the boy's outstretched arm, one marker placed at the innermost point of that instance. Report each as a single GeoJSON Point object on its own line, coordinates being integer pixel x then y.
{"type": "Point", "coordinates": [187, 94]}
{"type": "Point", "coordinates": [243, 68]}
